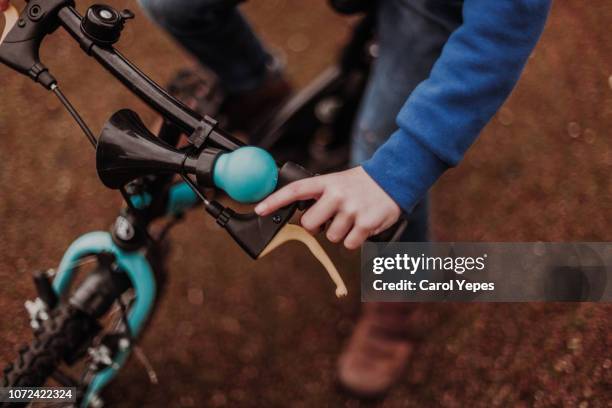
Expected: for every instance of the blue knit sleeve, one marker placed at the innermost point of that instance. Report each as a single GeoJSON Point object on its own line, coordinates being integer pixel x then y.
{"type": "Point", "coordinates": [478, 68]}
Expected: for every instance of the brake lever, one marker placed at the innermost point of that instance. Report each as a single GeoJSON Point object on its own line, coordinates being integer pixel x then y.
{"type": "Point", "coordinates": [259, 236]}
{"type": "Point", "coordinates": [23, 34]}
{"type": "Point", "coordinates": [292, 232]}
{"type": "Point", "coordinates": [11, 16]}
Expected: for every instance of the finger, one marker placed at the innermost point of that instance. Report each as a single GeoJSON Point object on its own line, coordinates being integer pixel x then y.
{"type": "Point", "coordinates": [340, 226]}
{"type": "Point", "coordinates": [297, 191]}
{"type": "Point", "coordinates": [385, 226]}
{"type": "Point", "coordinates": [4, 5]}
{"type": "Point", "coordinates": [319, 213]}
{"type": "Point", "coordinates": [356, 237]}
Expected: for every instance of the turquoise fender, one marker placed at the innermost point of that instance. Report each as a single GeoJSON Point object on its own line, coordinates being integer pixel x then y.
{"type": "Point", "coordinates": [181, 198]}
{"type": "Point", "coordinates": [140, 274]}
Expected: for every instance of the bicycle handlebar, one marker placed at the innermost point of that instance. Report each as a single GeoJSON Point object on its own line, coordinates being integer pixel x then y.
{"type": "Point", "coordinates": [19, 49]}
{"type": "Point", "coordinates": [141, 85]}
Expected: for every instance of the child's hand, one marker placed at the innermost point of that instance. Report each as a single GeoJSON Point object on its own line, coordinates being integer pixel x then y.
{"type": "Point", "coordinates": [4, 4]}
{"type": "Point", "coordinates": [358, 206]}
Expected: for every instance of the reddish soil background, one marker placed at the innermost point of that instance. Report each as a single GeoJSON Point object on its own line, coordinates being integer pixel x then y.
{"type": "Point", "coordinates": [232, 332]}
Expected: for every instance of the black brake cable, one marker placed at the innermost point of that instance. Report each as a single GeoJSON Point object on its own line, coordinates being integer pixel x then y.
{"type": "Point", "coordinates": [75, 115]}
{"type": "Point", "coordinates": [196, 190]}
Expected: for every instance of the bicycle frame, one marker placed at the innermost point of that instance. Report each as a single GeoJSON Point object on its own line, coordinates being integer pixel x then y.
{"type": "Point", "coordinates": [160, 198]}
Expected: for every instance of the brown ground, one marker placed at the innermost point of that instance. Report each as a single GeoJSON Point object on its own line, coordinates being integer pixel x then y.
{"type": "Point", "coordinates": [231, 332]}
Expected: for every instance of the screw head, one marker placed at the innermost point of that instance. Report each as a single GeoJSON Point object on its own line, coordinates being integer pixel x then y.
{"type": "Point", "coordinates": [124, 344]}
{"type": "Point", "coordinates": [105, 14]}
{"type": "Point", "coordinates": [124, 230]}
{"type": "Point", "coordinates": [35, 11]}
{"type": "Point", "coordinates": [277, 219]}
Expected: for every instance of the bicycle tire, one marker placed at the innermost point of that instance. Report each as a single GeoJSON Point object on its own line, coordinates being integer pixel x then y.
{"type": "Point", "coordinates": [66, 330]}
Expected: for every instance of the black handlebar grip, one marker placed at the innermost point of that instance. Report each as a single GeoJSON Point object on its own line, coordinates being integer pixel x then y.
{"type": "Point", "coordinates": [291, 172]}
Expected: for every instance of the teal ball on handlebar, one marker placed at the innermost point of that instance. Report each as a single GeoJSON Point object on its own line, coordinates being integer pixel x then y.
{"type": "Point", "coordinates": [247, 174]}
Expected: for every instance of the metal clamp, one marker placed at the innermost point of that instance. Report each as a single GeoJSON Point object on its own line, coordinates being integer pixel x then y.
{"type": "Point", "coordinates": [202, 132]}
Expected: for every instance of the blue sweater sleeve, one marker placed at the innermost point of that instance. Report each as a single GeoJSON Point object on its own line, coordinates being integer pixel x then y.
{"type": "Point", "coordinates": [477, 69]}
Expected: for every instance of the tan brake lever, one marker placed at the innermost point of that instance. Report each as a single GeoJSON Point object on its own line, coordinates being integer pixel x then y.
{"type": "Point", "coordinates": [11, 15]}
{"type": "Point", "coordinates": [292, 232]}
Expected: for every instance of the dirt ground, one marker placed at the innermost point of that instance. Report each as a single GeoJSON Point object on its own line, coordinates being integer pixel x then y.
{"type": "Point", "coordinates": [232, 332]}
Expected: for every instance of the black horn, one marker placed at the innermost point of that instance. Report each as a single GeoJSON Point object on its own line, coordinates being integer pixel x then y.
{"type": "Point", "coordinates": [128, 150]}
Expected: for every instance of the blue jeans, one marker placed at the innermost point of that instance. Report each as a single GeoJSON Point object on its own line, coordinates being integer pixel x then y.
{"type": "Point", "coordinates": [411, 34]}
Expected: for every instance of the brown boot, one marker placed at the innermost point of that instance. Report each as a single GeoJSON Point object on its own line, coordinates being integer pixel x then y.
{"type": "Point", "coordinates": [378, 350]}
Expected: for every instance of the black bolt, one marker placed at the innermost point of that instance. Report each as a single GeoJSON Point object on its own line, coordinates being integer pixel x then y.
{"type": "Point", "coordinates": [277, 219]}
{"type": "Point", "coordinates": [21, 22]}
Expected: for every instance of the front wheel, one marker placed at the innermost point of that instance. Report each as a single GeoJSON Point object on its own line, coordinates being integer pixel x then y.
{"type": "Point", "coordinates": [65, 331]}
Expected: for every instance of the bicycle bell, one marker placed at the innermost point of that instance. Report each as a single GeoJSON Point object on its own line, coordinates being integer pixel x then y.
{"type": "Point", "coordinates": [103, 24]}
